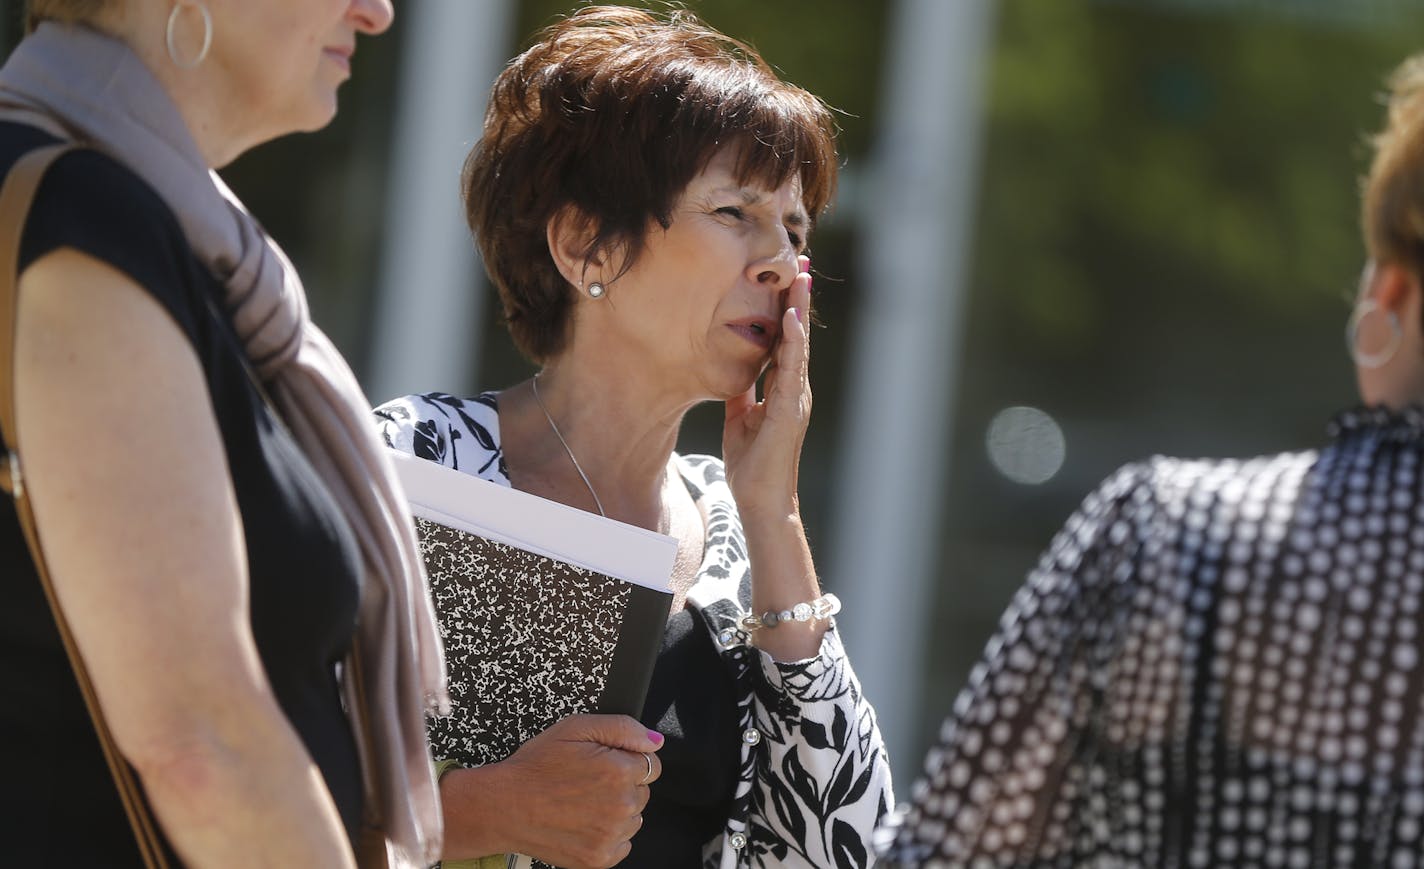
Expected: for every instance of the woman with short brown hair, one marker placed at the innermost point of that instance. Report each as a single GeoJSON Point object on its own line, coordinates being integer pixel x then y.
{"type": "Point", "coordinates": [643, 196]}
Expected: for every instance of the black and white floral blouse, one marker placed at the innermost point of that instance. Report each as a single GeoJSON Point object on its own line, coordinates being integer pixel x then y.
{"type": "Point", "coordinates": [814, 778]}
{"type": "Point", "coordinates": [1216, 663]}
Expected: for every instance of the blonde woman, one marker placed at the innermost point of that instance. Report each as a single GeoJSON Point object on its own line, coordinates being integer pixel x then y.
{"type": "Point", "coordinates": [215, 554]}
{"type": "Point", "coordinates": [1219, 662]}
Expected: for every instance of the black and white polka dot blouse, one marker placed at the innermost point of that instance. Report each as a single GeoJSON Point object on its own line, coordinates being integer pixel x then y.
{"type": "Point", "coordinates": [1217, 663]}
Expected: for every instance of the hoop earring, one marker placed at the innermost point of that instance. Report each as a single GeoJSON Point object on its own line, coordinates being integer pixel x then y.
{"type": "Point", "coordinates": [1352, 335]}
{"type": "Point", "coordinates": [596, 290]}
{"type": "Point", "coordinates": [172, 41]}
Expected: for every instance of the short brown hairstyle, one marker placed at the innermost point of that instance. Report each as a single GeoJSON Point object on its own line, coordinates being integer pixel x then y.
{"type": "Point", "coordinates": [1392, 215]}
{"type": "Point", "coordinates": [613, 111]}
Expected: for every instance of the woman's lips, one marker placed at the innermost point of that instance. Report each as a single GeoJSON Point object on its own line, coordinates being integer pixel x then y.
{"type": "Point", "coordinates": [340, 56]}
{"type": "Point", "coordinates": [756, 330]}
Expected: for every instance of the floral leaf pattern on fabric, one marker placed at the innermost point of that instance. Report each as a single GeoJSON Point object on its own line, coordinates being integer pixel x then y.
{"type": "Point", "coordinates": [815, 781]}
{"type": "Point", "coordinates": [430, 442]}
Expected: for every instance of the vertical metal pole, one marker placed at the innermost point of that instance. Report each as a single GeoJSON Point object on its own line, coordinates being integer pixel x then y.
{"type": "Point", "coordinates": [430, 296]}
{"type": "Point", "coordinates": [917, 228]}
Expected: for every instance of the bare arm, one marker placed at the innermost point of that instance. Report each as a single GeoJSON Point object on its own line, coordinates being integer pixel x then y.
{"type": "Point", "coordinates": [138, 518]}
{"type": "Point", "coordinates": [761, 443]}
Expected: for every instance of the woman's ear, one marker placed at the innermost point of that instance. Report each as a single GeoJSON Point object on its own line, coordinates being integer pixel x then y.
{"type": "Point", "coordinates": [570, 233]}
{"type": "Point", "coordinates": [1388, 349]}
{"type": "Point", "coordinates": [1393, 288]}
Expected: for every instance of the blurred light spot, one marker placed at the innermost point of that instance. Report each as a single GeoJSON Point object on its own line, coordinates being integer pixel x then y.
{"type": "Point", "coordinates": [1026, 445]}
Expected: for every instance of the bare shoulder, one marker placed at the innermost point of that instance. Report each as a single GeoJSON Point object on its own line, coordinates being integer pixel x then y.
{"type": "Point", "coordinates": [72, 304]}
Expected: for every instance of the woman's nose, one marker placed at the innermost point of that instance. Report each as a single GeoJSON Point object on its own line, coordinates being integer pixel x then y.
{"type": "Point", "coordinates": [372, 16]}
{"type": "Point", "coordinates": [777, 270]}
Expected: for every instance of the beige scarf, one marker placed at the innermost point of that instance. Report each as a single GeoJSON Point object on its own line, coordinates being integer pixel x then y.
{"type": "Point", "coordinates": [88, 87]}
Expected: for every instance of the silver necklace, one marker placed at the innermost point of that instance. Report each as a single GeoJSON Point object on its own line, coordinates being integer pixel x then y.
{"type": "Point", "coordinates": [577, 467]}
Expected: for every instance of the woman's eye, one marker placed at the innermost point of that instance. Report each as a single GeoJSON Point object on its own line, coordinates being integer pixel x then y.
{"type": "Point", "coordinates": [795, 238]}
{"type": "Point", "coordinates": [731, 211]}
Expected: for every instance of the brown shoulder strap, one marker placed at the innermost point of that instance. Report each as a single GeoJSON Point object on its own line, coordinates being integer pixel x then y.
{"type": "Point", "coordinates": [16, 196]}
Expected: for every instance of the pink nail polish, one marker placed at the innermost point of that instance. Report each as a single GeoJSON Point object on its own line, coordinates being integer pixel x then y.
{"type": "Point", "coordinates": [655, 737]}
{"type": "Point", "coordinates": [809, 281]}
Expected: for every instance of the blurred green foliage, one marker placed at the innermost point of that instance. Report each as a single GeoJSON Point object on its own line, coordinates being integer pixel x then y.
{"type": "Point", "coordinates": [1167, 240]}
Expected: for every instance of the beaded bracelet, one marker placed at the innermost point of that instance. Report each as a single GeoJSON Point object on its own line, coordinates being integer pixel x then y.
{"type": "Point", "coordinates": [822, 607]}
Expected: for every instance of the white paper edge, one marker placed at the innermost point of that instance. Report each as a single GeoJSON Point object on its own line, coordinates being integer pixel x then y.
{"type": "Point", "coordinates": [535, 524]}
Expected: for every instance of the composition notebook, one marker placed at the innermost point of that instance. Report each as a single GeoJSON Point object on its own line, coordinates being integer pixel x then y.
{"type": "Point", "coordinates": [545, 610]}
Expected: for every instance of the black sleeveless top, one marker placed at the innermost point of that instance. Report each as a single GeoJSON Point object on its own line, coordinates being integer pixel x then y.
{"type": "Point", "coordinates": [58, 802]}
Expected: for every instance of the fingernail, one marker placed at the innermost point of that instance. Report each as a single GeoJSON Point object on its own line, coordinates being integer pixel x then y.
{"type": "Point", "coordinates": [809, 280]}
{"type": "Point", "coordinates": [797, 312]}
{"type": "Point", "coordinates": [655, 737]}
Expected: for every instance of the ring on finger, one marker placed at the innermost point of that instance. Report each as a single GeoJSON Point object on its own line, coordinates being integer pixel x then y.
{"type": "Point", "coordinates": [648, 776]}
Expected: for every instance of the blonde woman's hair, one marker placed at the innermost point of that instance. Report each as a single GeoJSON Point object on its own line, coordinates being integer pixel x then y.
{"type": "Point", "coordinates": [67, 11]}
{"type": "Point", "coordinates": [1392, 213]}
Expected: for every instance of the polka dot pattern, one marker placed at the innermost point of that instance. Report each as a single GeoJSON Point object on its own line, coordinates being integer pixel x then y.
{"type": "Point", "coordinates": [1215, 663]}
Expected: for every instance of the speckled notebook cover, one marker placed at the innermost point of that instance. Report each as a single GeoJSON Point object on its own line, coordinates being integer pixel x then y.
{"type": "Point", "coordinates": [530, 639]}
{"type": "Point", "coordinates": [545, 610]}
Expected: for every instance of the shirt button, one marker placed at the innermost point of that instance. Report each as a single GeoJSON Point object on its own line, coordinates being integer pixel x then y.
{"type": "Point", "coordinates": [751, 736]}
{"type": "Point", "coordinates": [739, 841]}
